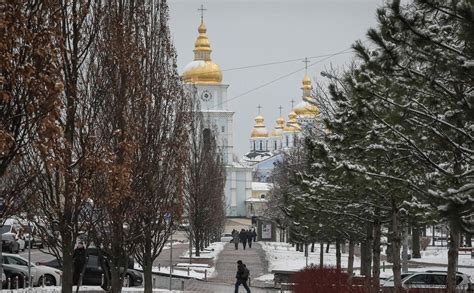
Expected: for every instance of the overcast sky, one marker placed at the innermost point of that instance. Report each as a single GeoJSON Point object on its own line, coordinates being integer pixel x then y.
{"type": "Point", "coordinates": [246, 33]}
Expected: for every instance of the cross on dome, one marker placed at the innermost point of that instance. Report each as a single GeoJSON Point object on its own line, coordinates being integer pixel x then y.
{"type": "Point", "coordinates": [259, 107]}
{"type": "Point", "coordinates": [306, 61]}
{"type": "Point", "coordinates": [280, 109]}
{"type": "Point", "coordinates": [202, 9]}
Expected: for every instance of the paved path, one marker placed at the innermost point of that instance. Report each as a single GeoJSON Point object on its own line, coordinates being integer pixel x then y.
{"type": "Point", "coordinates": [253, 258]}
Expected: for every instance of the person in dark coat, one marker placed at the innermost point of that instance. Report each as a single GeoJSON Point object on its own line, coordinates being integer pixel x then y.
{"type": "Point", "coordinates": [249, 238]}
{"type": "Point", "coordinates": [235, 239]}
{"type": "Point", "coordinates": [79, 261]}
{"type": "Point", "coordinates": [243, 237]}
{"type": "Point", "coordinates": [242, 276]}
{"type": "Point", "coordinates": [254, 235]}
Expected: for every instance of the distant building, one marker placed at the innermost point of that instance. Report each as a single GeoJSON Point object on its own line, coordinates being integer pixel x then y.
{"type": "Point", "coordinates": [266, 147]}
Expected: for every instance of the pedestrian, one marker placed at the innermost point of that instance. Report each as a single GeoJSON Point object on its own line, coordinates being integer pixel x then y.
{"type": "Point", "coordinates": [235, 239]}
{"type": "Point", "coordinates": [242, 276]}
{"type": "Point", "coordinates": [79, 262]}
{"type": "Point", "coordinates": [249, 238]}
{"type": "Point", "coordinates": [254, 235]}
{"type": "Point", "coordinates": [243, 237]}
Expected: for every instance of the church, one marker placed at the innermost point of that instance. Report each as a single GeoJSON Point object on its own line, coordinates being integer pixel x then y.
{"type": "Point", "coordinates": [248, 181]}
{"type": "Point", "coordinates": [206, 77]}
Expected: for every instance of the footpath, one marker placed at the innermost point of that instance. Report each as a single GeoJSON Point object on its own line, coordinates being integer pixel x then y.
{"type": "Point", "coordinates": [226, 268]}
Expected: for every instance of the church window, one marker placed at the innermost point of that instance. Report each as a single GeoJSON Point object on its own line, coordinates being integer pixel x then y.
{"type": "Point", "coordinates": [262, 196]}
{"type": "Point", "coordinates": [275, 144]}
{"type": "Point", "coordinates": [261, 146]}
{"type": "Point", "coordinates": [287, 141]}
{"type": "Point", "coordinates": [254, 145]}
{"type": "Point", "coordinates": [222, 129]}
{"type": "Point", "coordinates": [206, 133]}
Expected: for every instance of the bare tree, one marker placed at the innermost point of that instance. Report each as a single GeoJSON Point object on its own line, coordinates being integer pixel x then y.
{"type": "Point", "coordinates": [205, 181]}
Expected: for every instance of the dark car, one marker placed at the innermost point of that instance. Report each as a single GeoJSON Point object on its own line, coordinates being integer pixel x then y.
{"type": "Point", "coordinates": [97, 264]}
{"type": "Point", "coordinates": [9, 243]}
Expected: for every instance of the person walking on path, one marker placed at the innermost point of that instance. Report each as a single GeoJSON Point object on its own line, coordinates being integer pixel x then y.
{"type": "Point", "coordinates": [249, 237]}
{"type": "Point", "coordinates": [243, 238]}
{"type": "Point", "coordinates": [242, 276]}
{"type": "Point", "coordinates": [254, 235]}
{"type": "Point", "coordinates": [235, 239]}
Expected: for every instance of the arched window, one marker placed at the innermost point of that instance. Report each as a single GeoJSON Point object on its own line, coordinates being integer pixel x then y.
{"type": "Point", "coordinates": [287, 141]}
{"type": "Point", "coordinates": [275, 145]}
{"type": "Point", "coordinates": [262, 196]}
{"type": "Point", "coordinates": [206, 135]}
{"type": "Point", "coordinates": [253, 145]}
{"type": "Point", "coordinates": [261, 146]}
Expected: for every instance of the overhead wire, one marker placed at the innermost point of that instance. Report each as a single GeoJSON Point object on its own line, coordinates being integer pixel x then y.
{"type": "Point", "coordinates": [328, 56]}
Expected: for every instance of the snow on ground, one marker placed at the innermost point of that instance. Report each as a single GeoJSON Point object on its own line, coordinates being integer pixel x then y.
{"type": "Point", "coordinates": [265, 278]}
{"type": "Point", "coordinates": [282, 256]}
{"type": "Point", "coordinates": [439, 255]}
{"type": "Point", "coordinates": [211, 252]}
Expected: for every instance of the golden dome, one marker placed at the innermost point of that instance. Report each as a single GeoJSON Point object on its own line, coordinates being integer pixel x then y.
{"type": "Point", "coordinates": [278, 130]}
{"type": "Point", "coordinates": [202, 70]}
{"type": "Point", "coordinates": [292, 124]}
{"type": "Point", "coordinates": [307, 82]}
{"type": "Point", "coordinates": [306, 109]}
{"type": "Point", "coordinates": [259, 130]}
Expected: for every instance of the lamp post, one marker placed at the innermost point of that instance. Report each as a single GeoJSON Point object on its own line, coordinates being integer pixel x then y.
{"type": "Point", "coordinates": [168, 221]}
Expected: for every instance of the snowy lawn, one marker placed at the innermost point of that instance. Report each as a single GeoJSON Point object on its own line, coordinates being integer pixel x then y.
{"type": "Point", "coordinates": [282, 256]}
{"type": "Point", "coordinates": [211, 252]}
{"type": "Point", "coordinates": [439, 255]}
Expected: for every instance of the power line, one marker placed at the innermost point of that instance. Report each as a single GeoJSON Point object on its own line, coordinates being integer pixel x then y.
{"type": "Point", "coordinates": [278, 62]}
{"type": "Point", "coordinates": [281, 77]}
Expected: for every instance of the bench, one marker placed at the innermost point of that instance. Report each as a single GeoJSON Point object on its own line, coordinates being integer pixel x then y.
{"type": "Point", "coordinates": [281, 277]}
{"type": "Point", "coordinates": [465, 249]}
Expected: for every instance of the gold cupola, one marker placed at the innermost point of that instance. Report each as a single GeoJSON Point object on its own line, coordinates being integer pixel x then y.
{"type": "Point", "coordinates": [278, 130]}
{"type": "Point", "coordinates": [292, 124]}
{"type": "Point", "coordinates": [306, 108]}
{"type": "Point", "coordinates": [259, 130]}
{"type": "Point", "coordinates": [202, 70]}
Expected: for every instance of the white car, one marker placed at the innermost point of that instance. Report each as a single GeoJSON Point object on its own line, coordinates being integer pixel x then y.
{"type": "Point", "coordinates": [429, 280]}
{"type": "Point", "coordinates": [226, 237]}
{"type": "Point", "coordinates": [50, 276]}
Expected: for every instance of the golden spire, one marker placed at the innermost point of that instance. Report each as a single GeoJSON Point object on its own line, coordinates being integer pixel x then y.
{"type": "Point", "coordinates": [259, 129]}
{"type": "Point", "coordinates": [306, 108]}
{"type": "Point", "coordinates": [202, 70]}
{"type": "Point", "coordinates": [292, 124]}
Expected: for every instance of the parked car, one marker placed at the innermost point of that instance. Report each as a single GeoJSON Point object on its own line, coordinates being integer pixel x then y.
{"type": "Point", "coordinates": [96, 265]}
{"type": "Point", "coordinates": [430, 280]}
{"type": "Point", "coordinates": [226, 237]}
{"type": "Point", "coordinates": [9, 243]}
{"type": "Point", "coordinates": [10, 275]}
{"type": "Point", "coordinates": [50, 276]}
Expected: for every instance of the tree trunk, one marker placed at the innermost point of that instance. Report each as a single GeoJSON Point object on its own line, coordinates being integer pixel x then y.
{"type": "Point", "coordinates": [338, 254]}
{"type": "Point", "coordinates": [468, 240]}
{"type": "Point", "coordinates": [396, 241]}
{"type": "Point", "coordinates": [321, 254]}
{"type": "Point", "coordinates": [453, 256]}
{"type": "Point", "coordinates": [116, 280]}
{"type": "Point", "coordinates": [366, 252]}
{"type": "Point", "coordinates": [415, 242]}
{"type": "Point", "coordinates": [147, 264]}
{"type": "Point", "coordinates": [66, 285]}
{"type": "Point", "coordinates": [433, 234]}
{"type": "Point", "coordinates": [343, 246]}
{"type": "Point", "coordinates": [301, 247]}
{"type": "Point", "coordinates": [312, 247]}
{"type": "Point", "coordinates": [297, 247]}
{"type": "Point", "coordinates": [377, 234]}
{"type": "Point", "coordinates": [327, 248]}
{"type": "Point", "coordinates": [350, 260]}
{"type": "Point", "coordinates": [197, 245]}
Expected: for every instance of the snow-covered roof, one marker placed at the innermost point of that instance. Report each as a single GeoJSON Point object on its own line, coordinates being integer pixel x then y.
{"type": "Point", "coordinates": [261, 186]}
{"type": "Point", "coordinates": [256, 199]}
